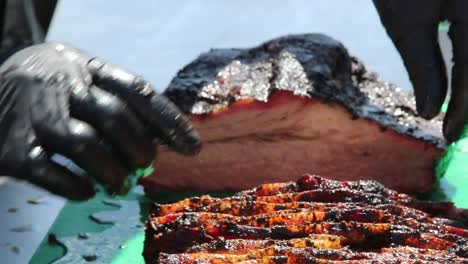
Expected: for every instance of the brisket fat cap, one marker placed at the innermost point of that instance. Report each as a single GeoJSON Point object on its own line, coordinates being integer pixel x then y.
{"type": "Point", "coordinates": [296, 104]}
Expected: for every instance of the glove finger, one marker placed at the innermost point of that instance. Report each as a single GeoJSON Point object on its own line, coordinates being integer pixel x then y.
{"type": "Point", "coordinates": [57, 179]}
{"type": "Point", "coordinates": [163, 118]}
{"type": "Point", "coordinates": [80, 143]}
{"type": "Point", "coordinates": [117, 123]}
{"type": "Point", "coordinates": [412, 26]}
{"type": "Point", "coordinates": [457, 113]}
{"type": "Point", "coordinates": [423, 59]}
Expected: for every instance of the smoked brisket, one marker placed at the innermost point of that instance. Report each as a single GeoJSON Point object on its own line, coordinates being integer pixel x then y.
{"type": "Point", "coordinates": [293, 105]}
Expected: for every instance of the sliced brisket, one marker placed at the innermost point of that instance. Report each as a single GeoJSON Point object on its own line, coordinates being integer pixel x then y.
{"type": "Point", "coordinates": [274, 221]}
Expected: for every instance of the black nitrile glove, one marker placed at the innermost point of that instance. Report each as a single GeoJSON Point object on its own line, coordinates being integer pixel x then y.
{"type": "Point", "coordinates": [413, 27]}
{"type": "Point", "coordinates": [55, 99]}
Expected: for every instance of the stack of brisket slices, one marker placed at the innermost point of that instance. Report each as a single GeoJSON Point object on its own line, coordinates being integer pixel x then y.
{"type": "Point", "coordinates": [313, 220]}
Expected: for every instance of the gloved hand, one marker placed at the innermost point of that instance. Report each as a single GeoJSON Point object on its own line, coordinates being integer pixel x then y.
{"type": "Point", "coordinates": [55, 99]}
{"type": "Point", "coordinates": [413, 27]}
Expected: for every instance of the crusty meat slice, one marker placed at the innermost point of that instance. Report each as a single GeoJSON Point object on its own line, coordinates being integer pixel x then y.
{"type": "Point", "coordinates": [288, 218]}
{"type": "Point", "coordinates": [179, 235]}
{"type": "Point", "coordinates": [243, 246]}
{"type": "Point", "coordinates": [310, 192]}
{"type": "Point", "coordinates": [310, 182]}
{"type": "Point", "coordinates": [401, 253]}
{"type": "Point", "coordinates": [293, 105]}
{"type": "Point", "coordinates": [247, 206]}
{"type": "Point", "coordinates": [301, 259]}
{"type": "Point", "coordinates": [405, 215]}
{"type": "Point", "coordinates": [315, 182]}
{"type": "Point", "coordinates": [364, 236]}
{"type": "Point", "coordinates": [321, 242]}
{"type": "Point", "coordinates": [363, 215]}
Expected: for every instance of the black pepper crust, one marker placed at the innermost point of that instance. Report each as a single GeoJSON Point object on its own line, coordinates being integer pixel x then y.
{"type": "Point", "coordinates": [314, 219]}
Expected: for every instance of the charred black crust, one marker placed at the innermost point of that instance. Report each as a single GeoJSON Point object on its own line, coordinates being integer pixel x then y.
{"type": "Point", "coordinates": [363, 217]}
{"type": "Point", "coordinates": [309, 65]}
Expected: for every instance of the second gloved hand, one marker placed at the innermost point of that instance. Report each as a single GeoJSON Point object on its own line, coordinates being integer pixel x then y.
{"type": "Point", "coordinates": [57, 99]}
{"type": "Point", "coordinates": [413, 27]}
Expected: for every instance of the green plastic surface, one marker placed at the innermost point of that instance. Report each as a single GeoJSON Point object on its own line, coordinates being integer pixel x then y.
{"type": "Point", "coordinates": [75, 219]}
